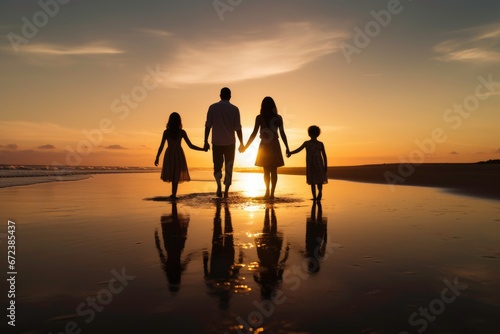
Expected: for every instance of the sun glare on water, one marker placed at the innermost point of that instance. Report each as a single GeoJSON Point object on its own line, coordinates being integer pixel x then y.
{"type": "Point", "coordinates": [252, 184]}
{"type": "Point", "coordinates": [247, 158]}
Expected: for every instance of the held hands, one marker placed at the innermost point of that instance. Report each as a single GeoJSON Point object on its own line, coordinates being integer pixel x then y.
{"type": "Point", "coordinates": [206, 147]}
{"type": "Point", "coordinates": [242, 148]}
{"type": "Point", "coordinates": [288, 153]}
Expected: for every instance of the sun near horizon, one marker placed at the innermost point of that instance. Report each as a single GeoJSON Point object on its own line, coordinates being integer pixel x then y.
{"type": "Point", "coordinates": [100, 95]}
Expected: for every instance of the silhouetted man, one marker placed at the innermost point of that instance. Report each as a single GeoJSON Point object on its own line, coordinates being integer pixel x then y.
{"type": "Point", "coordinates": [221, 272]}
{"type": "Point", "coordinates": [224, 118]}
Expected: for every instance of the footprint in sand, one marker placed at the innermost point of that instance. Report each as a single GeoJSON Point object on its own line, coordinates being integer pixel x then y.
{"type": "Point", "coordinates": [409, 272]}
{"type": "Point", "coordinates": [491, 256]}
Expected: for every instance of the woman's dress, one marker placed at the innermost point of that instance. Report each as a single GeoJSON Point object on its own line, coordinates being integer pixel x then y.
{"type": "Point", "coordinates": [269, 153]}
{"type": "Point", "coordinates": [174, 167]}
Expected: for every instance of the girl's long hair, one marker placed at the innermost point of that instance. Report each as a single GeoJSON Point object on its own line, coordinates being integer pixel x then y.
{"type": "Point", "coordinates": [174, 125]}
{"type": "Point", "coordinates": [268, 110]}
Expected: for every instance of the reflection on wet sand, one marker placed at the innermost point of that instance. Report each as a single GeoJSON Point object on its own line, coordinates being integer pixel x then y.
{"type": "Point", "coordinates": [269, 245]}
{"type": "Point", "coordinates": [174, 233]}
{"type": "Point", "coordinates": [316, 237]}
{"type": "Point", "coordinates": [221, 272]}
{"type": "Point", "coordinates": [391, 254]}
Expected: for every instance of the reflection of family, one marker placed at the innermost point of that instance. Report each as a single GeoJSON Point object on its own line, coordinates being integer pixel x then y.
{"type": "Point", "coordinates": [223, 120]}
{"type": "Point", "coordinates": [221, 272]}
{"type": "Point", "coordinates": [221, 266]}
{"type": "Point", "coordinates": [174, 230]}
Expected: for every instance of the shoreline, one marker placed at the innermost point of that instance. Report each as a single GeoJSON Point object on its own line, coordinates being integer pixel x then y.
{"type": "Point", "coordinates": [359, 230]}
{"type": "Point", "coordinates": [59, 176]}
{"type": "Point", "coordinates": [17, 181]}
{"type": "Point", "coordinates": [472, 179]}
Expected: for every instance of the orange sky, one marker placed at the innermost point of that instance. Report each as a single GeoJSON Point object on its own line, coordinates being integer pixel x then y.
{"type": "Point", "coordinates": [97, 89]}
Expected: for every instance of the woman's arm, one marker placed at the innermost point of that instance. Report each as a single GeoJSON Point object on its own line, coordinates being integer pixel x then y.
{"type": "Point", "coordinates": [283, 135]}
{"type": "Point", "coordinates": [160, 149]}
{"type": "Point", "coordinates": [254, 132]}
{"type": "Point", "coordinates": [191, 146]}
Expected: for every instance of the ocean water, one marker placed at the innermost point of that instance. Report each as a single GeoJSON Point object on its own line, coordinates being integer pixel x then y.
{"type": "Point", "coordinates": [49, 170]}
{"type": "Point", "coordinates": [111, 254]}
{"type": "Point", "coordinates": [22, 175]}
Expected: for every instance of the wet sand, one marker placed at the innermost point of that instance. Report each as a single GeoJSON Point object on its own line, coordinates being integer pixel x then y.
{"type": "Point", "coordinates": [363, 262]}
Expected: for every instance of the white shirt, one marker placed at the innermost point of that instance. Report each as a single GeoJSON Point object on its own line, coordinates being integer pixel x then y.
{"type": "Point", "coordinates": [224, 119]}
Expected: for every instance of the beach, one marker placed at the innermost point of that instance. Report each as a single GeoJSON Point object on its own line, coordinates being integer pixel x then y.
{"type": "Point", "coordinates": [473, 179]}
{"type": "Point", "coordinates": [111, 254]}
{"type": "Point", "coordinates": [393, 106]}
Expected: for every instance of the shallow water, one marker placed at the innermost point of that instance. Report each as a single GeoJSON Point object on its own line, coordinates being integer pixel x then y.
{"type": "Point", "coordinates": [362, 262]}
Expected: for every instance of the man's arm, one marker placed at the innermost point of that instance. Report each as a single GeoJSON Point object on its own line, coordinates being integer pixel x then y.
{"type": "Point", "coordinates": [208, 125]}
{"type": "Point", "coordinates": [206, 145]}
{"type": "Point", "coordinates": [239, 133]}
{"type": "Point", "coordinates": [241, 148]}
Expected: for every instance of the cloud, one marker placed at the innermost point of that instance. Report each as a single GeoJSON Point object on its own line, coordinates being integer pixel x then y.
{"type": "Point", "coordinates": [115, 147]}
{"type": "Point", "coordinates": [258, 54]}
{"type": "Point", "coordinates": [60, 50]}
{"type": "Point", "coordinates": [9, 146]}
{"type": "Point", "coordinates": [46, 147]}
{"type": "Point", "coordinates": [374, 75]}
{"type": "Point", "coordinates": [28, 134]}
{"type": "Point", "coordinates": [454, 152]}
{"type": "Point", "coordinates": [56, 157]}
{"type": "Point", "coordinates": [153, 32]}
{"type": "Point", "coordinates": [476, 45]}
{"type": "Point", "coordinates": [32, 132]}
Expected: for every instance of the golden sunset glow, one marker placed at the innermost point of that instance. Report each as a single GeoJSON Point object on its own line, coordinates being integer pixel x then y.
{"type": "Point", "coordinates": [101, 94]}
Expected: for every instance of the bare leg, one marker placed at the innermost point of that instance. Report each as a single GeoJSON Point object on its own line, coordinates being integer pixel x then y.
{"type": "Point", "coordinates": [320, 191]}
{"type": "Point", "coordinates": [313, 191]}
{"type": "Point", "coordinates": [274, 180]}
{"type": "Point", "coordinates": [267, 179]}
{"type": "Point", "coordinates": [174, 190]}
{"type": "Point", "coordinates": [218, 160]}
{"type": "Point", "coordinates": [229, 163]}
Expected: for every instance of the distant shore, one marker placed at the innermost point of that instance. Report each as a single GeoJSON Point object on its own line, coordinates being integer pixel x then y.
{"type": "Point", "coordinates": [473, 179]}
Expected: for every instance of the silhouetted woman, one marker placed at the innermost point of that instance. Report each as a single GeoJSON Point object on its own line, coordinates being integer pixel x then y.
{"type": "Point", "coordinates": [269, 155]}
{"type": "Point", "coordinates": [269, 245]}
